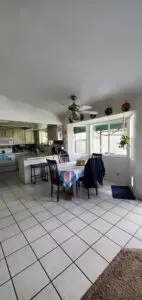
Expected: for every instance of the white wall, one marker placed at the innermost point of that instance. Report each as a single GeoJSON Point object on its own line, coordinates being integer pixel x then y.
{"type": "Point", "coordinates": [16, 111]}
{"type": "Point", "coordinates": [132, 151]}
{"type": "Point", "coordinates": [138, 150]}
{"type": "Point", "coordinates": [117, 169]}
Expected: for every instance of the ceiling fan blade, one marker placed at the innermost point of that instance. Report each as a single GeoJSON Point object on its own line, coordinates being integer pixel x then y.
{"type": "Point", "coordinates": [90, 112]}
{"type": "Point", "coordinates": [85, 107]}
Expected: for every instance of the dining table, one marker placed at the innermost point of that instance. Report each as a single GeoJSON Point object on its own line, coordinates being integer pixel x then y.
{"type": "Point", "coordinates": [69, 173]}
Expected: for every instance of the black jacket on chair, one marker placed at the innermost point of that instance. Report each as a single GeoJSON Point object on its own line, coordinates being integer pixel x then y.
{"type": "Point", "coordinates": [94, 172]}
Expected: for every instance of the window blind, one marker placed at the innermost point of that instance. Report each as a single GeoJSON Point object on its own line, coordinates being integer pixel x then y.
{"type": "Point", "coordinates": [79, 129]}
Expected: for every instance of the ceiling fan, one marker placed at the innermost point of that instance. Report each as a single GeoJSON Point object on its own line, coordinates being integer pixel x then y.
{"type": "Point", "coordinates": [77, 112]}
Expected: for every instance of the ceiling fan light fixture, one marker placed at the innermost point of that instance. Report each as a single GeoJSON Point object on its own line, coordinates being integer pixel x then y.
{"type": "Point", "coordinates": [77, 112]}
{"type": "Point", "coordinates": [74, 110]}
{"type": "Point", "coordinates": [74, 114]}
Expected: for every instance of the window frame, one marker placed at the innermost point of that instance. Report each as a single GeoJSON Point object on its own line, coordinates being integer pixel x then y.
{"type": "Point", "coordinates": [84, 139]}
{"type": "Point", "coordinates": [89, 137]}
{"type": "Point", "coordinates": [108, 123]}
{"type": "Point", "coordinates": [95, 125]}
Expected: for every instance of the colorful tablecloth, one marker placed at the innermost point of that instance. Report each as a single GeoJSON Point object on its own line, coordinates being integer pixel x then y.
{"type": "Point", "coordinates": [70, 174]}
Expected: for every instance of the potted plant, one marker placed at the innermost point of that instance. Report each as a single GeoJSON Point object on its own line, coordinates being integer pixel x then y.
{"type": "Point", "coordinates": [124, 141]}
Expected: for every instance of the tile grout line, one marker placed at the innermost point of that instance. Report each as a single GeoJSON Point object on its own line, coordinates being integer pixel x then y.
{"type": "Point", "coordinates": [69, 256]}
{"type": "Point", "coordinates": [113, 225]}
{"type": "Point", "coordinates": [133, 236]}
{"type": "Point", "coordinates": [9, 273]}
{"type": "Point", "coordinates": [67, 253]}
{"type": "Point", "coordinates": [73, 262]}
{"type": "Point", "coordinates": [38, 260]}
{"type": "Point", "coordinates": [56, 216]}
{"type": "Point", "coordinates": [75, 216]}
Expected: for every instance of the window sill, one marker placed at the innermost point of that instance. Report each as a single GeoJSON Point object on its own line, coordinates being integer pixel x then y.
{"type": "Point", "coordinates": [115, 155]}
{"type": "Point", "coordinates": [78, 153]}
{"type": "Point", "coordinates": [104, 155]}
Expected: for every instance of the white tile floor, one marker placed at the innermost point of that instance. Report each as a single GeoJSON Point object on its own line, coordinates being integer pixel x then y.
{"type": "Point", "coordinates": [51, 250]}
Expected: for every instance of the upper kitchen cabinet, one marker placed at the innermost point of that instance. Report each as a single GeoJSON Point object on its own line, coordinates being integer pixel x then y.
{"type": "Point", "coordinates": [29, 136]}
{"type": "Point", "coordinates": [19, 136]}
{"type": "Point", "coordinates": [7, 133]}
{"type": "Point", "coordinates": [6, 136]}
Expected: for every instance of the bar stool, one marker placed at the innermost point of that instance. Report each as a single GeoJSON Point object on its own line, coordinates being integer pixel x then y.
{"type": "Point", "coordinates": [44, 171]}
{"type": "Point", "coordinates": [34, 174]}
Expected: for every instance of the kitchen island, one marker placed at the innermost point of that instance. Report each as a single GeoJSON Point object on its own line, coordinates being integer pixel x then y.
{"type": "Point", "coordinates": [25, 162]}
{"type": "Point", "coordinates": [9, 161]}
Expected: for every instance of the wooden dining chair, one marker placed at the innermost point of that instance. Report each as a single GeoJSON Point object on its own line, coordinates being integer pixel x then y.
{"type": "Point", "coordinates": [63, 158]}
{"type": "Point", "coordinates": [96, 155]}
{"type": "Point", "coordinates": [54, 176]}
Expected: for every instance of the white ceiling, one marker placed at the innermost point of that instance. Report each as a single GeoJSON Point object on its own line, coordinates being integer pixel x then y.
{"type": "Point", "coordinates": [51, 48]}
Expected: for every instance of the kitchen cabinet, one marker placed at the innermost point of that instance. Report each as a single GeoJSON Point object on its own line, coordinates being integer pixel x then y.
{"type": "Point", "coordinates": [19, 136]}
{"type": "Point", "coordinates": [29, 137]}
{"type": "Point", "coordinates": [6, 133]}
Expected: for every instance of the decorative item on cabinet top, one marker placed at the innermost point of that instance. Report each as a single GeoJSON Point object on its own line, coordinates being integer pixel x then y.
{"type": "Point", "coordinates": [108, 111]}
{"type": "Point", "coordinates": [92, 116]}
{"type": "Point", "coordinates": [125, 106]}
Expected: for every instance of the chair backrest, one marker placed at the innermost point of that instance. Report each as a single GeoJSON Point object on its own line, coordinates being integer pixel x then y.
{"type": "Point", "coordinates": [96, 155]}
{"type": "Point", "coordinates": [94, 171]}
{"type": "Point", "coordinates": [53, 169]}
{"type": "Point", "coordinates": [63, 158]}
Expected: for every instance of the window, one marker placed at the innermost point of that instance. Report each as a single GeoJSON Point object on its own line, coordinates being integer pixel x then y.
{"type": "Point", "coordinates": [100, 139]}
{"type": "Point", "coordinates": [79, 134]}
{"type": "Point", "coordinates": [116, 132]}
{"type": "Point", "coordinates": [106, 138]}
{"type": "Point", "coordinates": [43, 137]}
